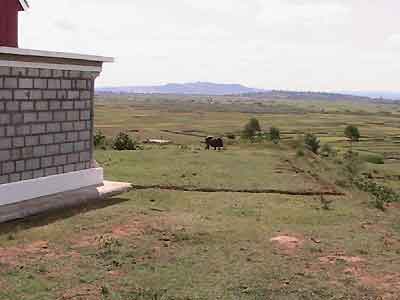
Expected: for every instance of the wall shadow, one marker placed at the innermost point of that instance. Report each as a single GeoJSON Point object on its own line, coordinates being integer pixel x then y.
{"type": "Point", "coordinates": [54, 215]}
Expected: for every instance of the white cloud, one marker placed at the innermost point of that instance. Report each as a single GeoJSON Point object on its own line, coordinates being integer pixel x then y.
{"type": "Point", "coordinates": [299, 44]}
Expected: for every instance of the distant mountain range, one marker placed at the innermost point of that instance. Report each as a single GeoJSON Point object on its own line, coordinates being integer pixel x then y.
{"type": "Point", "coordinates": [195, 88]}
{"type": "Point", "coordinates": [217, 89]}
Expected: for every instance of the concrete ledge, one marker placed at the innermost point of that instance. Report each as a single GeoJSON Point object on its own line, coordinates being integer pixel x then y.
{"type": "Point", "coordinates": [39, 187]}
{"type": "Point", "coordinates": [62, 200]}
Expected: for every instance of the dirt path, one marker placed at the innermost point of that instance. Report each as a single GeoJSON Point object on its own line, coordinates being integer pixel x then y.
{"type": "Point", "coordinates": [227, 190]}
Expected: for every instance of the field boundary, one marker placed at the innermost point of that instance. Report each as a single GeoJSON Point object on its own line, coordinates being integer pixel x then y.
{"type": "Point", "coordinates": [245, 191]}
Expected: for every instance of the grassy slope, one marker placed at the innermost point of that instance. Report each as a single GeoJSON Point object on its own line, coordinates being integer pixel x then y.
{"type": "Point", "coordinates": [187, 245]}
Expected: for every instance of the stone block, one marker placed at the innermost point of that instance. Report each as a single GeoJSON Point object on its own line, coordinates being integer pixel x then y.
{"type": "Point", "coordinates": [32, 72]}
{"type": "Point", "coordinates": [50, 171]}
{"type": "Point", "coordinates": [20, 166]}
{"type": "Point", "coordinates": [52, 149]}
{"type": "Point", "coordinates": [55, 105]}
{"type": "Point", "coordinates": [60, 160]}
{"type": "Point", "coordinates": [8, 167]}
{"type": "Point", "coordinates": [38, 173]}
{"type": "Point", "coordinates": [36, 95]}
{"type": "Point", "coordinates": [85, 95]}
{"type": "Point", "coordinates": [49, 95]}
{"type": "Point", "coordinates": [30, 117]}
{"type": "Point", "coordinates": [38, 128]}
{"type": "Point", "coordinates": [73, 95]}
{"type": "Point", "coordinates": [39, 151]}
{"type": "Point", "coordinates": [66, 148]}
{"type": "Point", "coordinates": [85, 114]}
{"type": "Point", "coordinates": [42, 105]}
{"type": "Point", "coordinates": [25, 83]}
{"type": "Point", "coordinates": [5, 143]}
{"type": "Point", "coordinates": [18, 142]}
{"type": "Point", "coordinates": [68, 105]}
{"type": "Point", "coordinates": [32, 164]}
{"type": "Point", "coordinates": [10, 83]}
{"type": "Point", "coordinates": [60, 138]}
{"type": "Point", "coordinates": [73, 115]}
{"type": "Point", "coordinates": [45, 73]}
{"type": "Point", "coordinates": [27, 105]}
{"type": "Point", "coordinates": [27, 175]}
{"type": "Point", "coordinates": [60, 116]}
{"type": "Point", "coordinates": [19, 72]}
{"type": "Point", "coordinates": [73, 158]}
{"type": "Point", "coordinates": [23, 130]}
{"type": "Point", "coordinates": [46, 162]}
{"type": "Point", "coordinates": [61, 95]}
{"type": "Point", "coordinates": [46, 139]}
{"type": "Point", "coordinates": [6, 95]}
{"type": "Point", "coordinates": [5, 155]}
{"type": "Point", "coordinates": [5, 71]}
{"type": "Point", "coordinates": [53, 84]}
{"type": "Point", "coordinates": [12, 106]}
{"type": "Point", "coordinates": [53, 127]}
{"type": "Point", "coordinates": [45, 116]}
{"type": "Point", "coordinates": [84, 156]}
{"type": "Point", "coordinates": [15, 177]}
{"type": "Point", "coordinates": [22, 94]}
{"type": "Point", "coordinates": [27, 152]}
{"type": "Point", "coordinates": [66, 84]}
{"type": "Point", "coordinates": [40, 83]}
{"type": "Point", "coordinates": [32, 140]}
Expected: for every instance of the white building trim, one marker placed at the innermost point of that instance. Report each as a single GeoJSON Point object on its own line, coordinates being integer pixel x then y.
{"type": "Point", "coordinates": [34, 188]}
{"type": "Point", "coordinates": [52, 54]}
{"type": "Point", "coordinates": [22, 64]}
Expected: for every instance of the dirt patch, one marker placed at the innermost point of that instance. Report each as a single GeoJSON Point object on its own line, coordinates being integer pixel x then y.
{"type": "Point", "coordinates": [83, 292]}
{"type": "Point", "coordinates": [287, 244]}
{"type": "Point", "coordinates": [14, 255]}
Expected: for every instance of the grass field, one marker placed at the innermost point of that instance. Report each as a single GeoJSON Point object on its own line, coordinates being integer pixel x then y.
{"type": "Point", "coordinates": [169, 244]}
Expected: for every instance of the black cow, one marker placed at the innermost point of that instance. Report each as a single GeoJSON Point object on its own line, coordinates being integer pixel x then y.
{"type": "Point", "coordinates": [216, 143]}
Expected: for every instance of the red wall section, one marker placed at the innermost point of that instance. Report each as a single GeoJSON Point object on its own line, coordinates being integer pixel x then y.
{"type": "Point", "coordinates": [9, 22]}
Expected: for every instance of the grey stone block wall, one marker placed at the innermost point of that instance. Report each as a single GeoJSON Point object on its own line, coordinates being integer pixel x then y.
{"type": "Point", "coordinates": [46, 122]}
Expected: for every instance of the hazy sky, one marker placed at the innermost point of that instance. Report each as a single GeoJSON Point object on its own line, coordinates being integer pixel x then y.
{"type": "Point", "coordinates": [280, 44]}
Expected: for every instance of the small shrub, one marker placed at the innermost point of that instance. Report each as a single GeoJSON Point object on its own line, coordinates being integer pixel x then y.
{"type": "Point", "coordinates": [124, 142]}
{"type": "Point", "coordinates": [99, 139]}
{"type": "Point", "coordinates": [380, 192]}
{"type": "Point", "coordinates": [312, 142]}
{"type": "Point", "coordinates": [352, 133]}
{"type": "Point", "coordinates": [352, 165]}
{"type": "Point", "coordinates": [231, 136]}
{"type": "Point", "coordinates": [275, 135]}
{"type": "Point", "coordinates": [251, 129]}
{"type": "Point", "coordinates": [300, 152]}
{"type": "Point", "coordinates": [328, 151]}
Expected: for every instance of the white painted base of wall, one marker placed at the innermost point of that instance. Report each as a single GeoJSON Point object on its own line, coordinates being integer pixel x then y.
{"type": "Point", "coordinates": [29, 189]}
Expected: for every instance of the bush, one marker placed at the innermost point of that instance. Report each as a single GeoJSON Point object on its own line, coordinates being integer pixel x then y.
{"type": "Point", "coordinates": [251, 129]}
{"type": "Point", "coordinates": [352, 165]}
{"type": "Point", "coordinates": [312, 143]}
{"type": "Point", "coordinates": [352, 133]}
{"type": "Point", "coordinates": [274, 135]}
{"type": "Point", "coordinates": [124, 142]}
{"type": "Point", "coordinates": [381, 194]}
{"type": "Point", "coordinates": [99, 139]}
